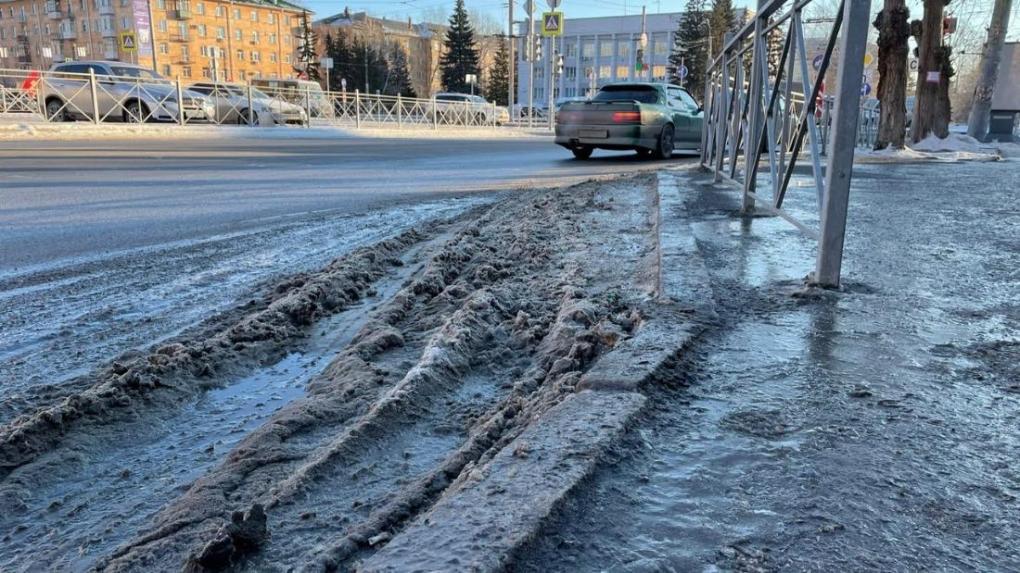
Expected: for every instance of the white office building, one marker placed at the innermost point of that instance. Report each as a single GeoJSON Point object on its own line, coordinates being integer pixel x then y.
{"type": "Point", "coordinates": [596, 51]}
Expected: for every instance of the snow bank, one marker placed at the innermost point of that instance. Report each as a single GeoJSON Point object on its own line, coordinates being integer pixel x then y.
{"type": "Point", "coordinates": [955, 148]}
{"type": "Point", "coordinates": [26, 128]}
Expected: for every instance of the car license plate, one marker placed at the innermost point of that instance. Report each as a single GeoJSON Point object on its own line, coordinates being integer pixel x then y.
{"type": "Point", "coordinates": [594, 133]}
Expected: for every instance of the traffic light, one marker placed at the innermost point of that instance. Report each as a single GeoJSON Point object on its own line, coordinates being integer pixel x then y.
{"type": "Point", "coordinates": [537, 52]}
{"type": "Point", "coordinates": [559, 65]}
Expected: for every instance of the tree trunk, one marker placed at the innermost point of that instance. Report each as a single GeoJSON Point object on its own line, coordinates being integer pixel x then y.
{"type": "Point", "coordinates": [981, 108]}
{"type": "Point", "coordinates": [893, 31]}
{"type": "Point", "coordinates": [933, 72]}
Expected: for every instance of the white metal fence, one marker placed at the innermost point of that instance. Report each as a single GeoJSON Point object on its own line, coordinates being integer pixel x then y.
{"type": "Point", "coordinates": [63, 96]}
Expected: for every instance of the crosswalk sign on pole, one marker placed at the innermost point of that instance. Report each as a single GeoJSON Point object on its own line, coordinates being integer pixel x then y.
{"type": "Point", "coordinates": [128, 42]}
{"type": "Point", "coordinates": [552, 24]}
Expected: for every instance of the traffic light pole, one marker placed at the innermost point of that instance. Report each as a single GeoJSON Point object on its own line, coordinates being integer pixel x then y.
{"type": "Point", "coordinates": [531, 73]}
{"type": "Point", "coordinates": [510, 40]}
{"type": "Point", "coordinates": [552, 82]}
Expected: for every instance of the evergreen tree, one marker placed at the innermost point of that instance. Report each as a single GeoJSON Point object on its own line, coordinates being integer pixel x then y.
{"type": "Point", "coordinates": [307, 55]}
{"type": "Point", "coordinates": [340, 51]}
{"type": "Point", "coordinates": [399, 82]}
{"type": "Point", "coordinates": [721, 22]}
{"type": "Point", "coordinates": [774, 43]}
{"type": "Point", "coordinates": [499, 77]}
{"type": "Point", "coordinates": [461, 56]}
{"type": "Point", "coordinates": [690, 48]}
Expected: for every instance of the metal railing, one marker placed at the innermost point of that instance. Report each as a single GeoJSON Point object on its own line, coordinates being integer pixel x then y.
{"type": "Point", "coordinates": [746, 129]}
{"type": "Point", "coordinates": [62, 96]}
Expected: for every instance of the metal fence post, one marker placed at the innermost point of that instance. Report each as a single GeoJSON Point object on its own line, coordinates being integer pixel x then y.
{"type": "Point", "coordinates": [435, 113]}
{"type": "Point", "coordinates": [40, 98]}
{"type": "Point", "coordinates": [308, 103]}
{"type": "Point", "coordinates": [357, 109]}
{"type": "Point", "coordinates": [95, 96]}
{"type": "Point", "coordinates": [180, 102]}
{"type": "Point", "coordinates": [495, 115]}
{"type": "Point", "coordinates": [400, 111]}
{"type": "Point", "coordinates": [852, 47]}
{"type": "Point", "coordinates": [754, 120]}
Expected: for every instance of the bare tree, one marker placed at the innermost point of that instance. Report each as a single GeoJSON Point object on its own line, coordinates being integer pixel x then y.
{"type": "Point", "coordinates": [934, 70]}
{"type": "Point", "coordinates": [893, 24]}
{"type": "Point", "coordinates": [977, 125]}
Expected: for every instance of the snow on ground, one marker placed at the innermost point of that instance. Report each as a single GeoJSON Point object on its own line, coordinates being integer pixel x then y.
{"type": "Point", "coordinates": [957, 147]}
{"type": "Point", "coordinates": [22, 127]}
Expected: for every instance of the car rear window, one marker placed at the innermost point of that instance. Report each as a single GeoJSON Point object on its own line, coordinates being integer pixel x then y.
{"type": "Point", "coordinates": [643, 94]}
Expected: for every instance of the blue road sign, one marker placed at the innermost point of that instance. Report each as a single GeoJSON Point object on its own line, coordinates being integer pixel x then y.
{"type": "Point", "coordinates": [865, 89]}
{"type": "Point", "coordinates": [683, 71]}
{"type": "Point", "coordinates": [817, 61]}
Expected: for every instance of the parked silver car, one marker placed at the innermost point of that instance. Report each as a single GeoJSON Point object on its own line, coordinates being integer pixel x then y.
{"type": "Point", "coordinates": [233, 105]}
{"type": "Point", "coordinates": [467, 109]}
{"type": "Point", "coordinates": [124, 92]}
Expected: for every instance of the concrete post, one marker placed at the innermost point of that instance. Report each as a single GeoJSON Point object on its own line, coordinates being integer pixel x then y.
{"type": "Point", "coordinates": [852, 47]}
{"type": "Point", "coordinates": [400, 111]}
{"type": "Point", "coordinates": [357, 109]}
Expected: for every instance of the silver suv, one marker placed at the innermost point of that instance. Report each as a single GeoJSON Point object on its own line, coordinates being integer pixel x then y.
{"type": "Point", "coordinates": [467, 109]}
{"type": "Point", "coordinates": [124, 92]}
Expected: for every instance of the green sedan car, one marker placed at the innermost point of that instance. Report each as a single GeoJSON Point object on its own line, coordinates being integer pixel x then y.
{"type": "Point", "coordinates": [650, 118]}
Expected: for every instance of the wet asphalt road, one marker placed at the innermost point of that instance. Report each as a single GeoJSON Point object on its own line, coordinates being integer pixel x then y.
{"type": "Point", "coordinates": [61, 199]}
{"type": "Point", "coordinates": [873, 429]}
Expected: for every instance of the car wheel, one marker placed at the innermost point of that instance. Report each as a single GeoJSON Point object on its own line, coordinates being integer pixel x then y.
{"type": "Point", "coordinates": [248, 117]}
{"type": "Point", "coordinates": [135, 112]}
{"type": "Point", "coordinates": [665, 148]}
{"type": "Point", "coordinates": [582, 152]}
{"type": "Point", "coordinates": [55, 110]}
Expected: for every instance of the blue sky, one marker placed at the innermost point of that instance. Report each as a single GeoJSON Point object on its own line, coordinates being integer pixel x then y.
{"type": "Point", "coordinates": [417, 9]}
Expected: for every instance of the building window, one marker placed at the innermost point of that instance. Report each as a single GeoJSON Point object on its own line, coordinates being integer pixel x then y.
{"type": "Point", "coordinates": [221, 11]}
{"type": "Point", "coordinates": [587, 50]}
{"type": "Point", "coordinates": [254, 36]}
{"type": "Point", "coordinates": [286, 19]}
{"type": "Point", "coordinates": [182, 30]}
{"type": "Point", "coordinates": [240, 55]}
{"type": "Point", "coordinates": [161, 4]}
{"type": "Point", "coordinates": [623, 50]}
{"type": "Point", "coordinates": [286, 40]}
{"type": "Point", "coordinates": [272, 38]}
{"type": "Point", "coordinates": [221, 33]}
{"type": "Point", "coordinates": [244, 76]}
{"type": "Point", "coordinates": [271, 18]}
{"type": "Point", "coordinates": [164, 49]}
{"type": "Point", "coordinates": [256, 57]}
{"type": "Point", "coordinates": [166, 70]}
{"type": "Point", "coordinates": [186, 71]}
{"type": "Point", "coordinates": [286, 58]}
{"type": "Point", "coordinates": [237, 13]}
{"type": "Point", "coordinates": [605, 48]}
{"type": "Point", "coordinates": [200, 9]}
{"type": "Point", "coordinates": [272, 57]}
{"type": "Point", "coordinates": [604, 71]}
{"type": "Point", "coordinates": [571, 50]}
{"type": "Point", "coordinates": [206, 73]}
{"type": "Point", "coordinates": [254, 16]}
{"type": "Point", "coordinates": [622, 72]}
{"type": "Point", "coordinates": [201, 30]}
{"type": "Point", "coordinates": [239, 34]}
{"type": "Point", "coordinates": [125, 23]}
{"type": "Point", "coordinates": [162, 26]}
{"type": "Point", "coordinates": [570, 73]}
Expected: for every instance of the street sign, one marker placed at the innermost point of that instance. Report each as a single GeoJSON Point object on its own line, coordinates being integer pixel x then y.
{"type": "Point", "coordinates": [552, 24]}
{"type": "Point", "coordinates": [553, 4]}
{"type": "Point", "coordinates": [683, 72]}
{"type": "Point", "coordinates": [529, 7]}
{"type": "Point", "coordinates": [326, 62]}
{"type": "Point", "coordinates": [343, 84]}
{"type": "Point", "coordinates": [471, 79]}
{"type": "Point", "coordinates": [913, 65]}
{"type": "Point", "coordinates": [128, 42]}
{"type": "Point", "coordinates": [865, 89]}
{"type": "Point", "coordinates": [816, 63]}
{"type": "Point", "coordinates": [868, 59]}
{"type": "Point", "coordinates": [933, 77]}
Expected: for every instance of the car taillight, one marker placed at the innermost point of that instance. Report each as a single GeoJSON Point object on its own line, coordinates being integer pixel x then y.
{"type": "Point", "coordinates": [567, 117]}
{"type": "Point", "coordinates": [626, 117]}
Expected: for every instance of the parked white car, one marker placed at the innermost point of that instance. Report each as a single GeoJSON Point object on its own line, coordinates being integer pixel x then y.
{"type": "Point", "coordinates": [124, 92]}
{"type": "Point", "coordinates": [232, 105]}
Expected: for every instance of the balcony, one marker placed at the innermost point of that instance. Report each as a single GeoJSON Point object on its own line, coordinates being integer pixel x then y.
{"type": "Point", "coordinates": [67, 33]}
{"type": "Point", "coordinates": [111, 54]}
{"type": "Point", "coordinates": [182, 14]}
{"type": "Point", "coordinates": [108, 32]}
{"type": "Point", "coordinates": [107, 9]}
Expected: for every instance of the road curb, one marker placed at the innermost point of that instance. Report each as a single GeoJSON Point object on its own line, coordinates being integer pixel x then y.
{"type": "Point", "coordinates": [480, 523]}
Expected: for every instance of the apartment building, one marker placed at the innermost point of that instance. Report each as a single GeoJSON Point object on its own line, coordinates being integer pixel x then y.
{"type": "Point", "coordinates": [236, 40]}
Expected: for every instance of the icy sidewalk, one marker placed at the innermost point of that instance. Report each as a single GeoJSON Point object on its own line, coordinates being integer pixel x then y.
{"type": "Point", "coordinates": [867, 429]}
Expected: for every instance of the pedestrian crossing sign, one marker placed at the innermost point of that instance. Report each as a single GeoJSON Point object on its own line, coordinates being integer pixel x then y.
{"type": "Point", "coordinates": [552, 24]}
{"type": "Point", "coordinates": [128, 42]}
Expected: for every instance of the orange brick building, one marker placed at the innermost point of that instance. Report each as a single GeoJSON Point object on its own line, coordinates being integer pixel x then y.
{"type": "Point", "coordinates": [236, 39]}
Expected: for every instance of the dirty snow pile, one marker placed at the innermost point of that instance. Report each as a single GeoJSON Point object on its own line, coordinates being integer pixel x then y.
{"type": "Point", "coordinates": [954, 148]}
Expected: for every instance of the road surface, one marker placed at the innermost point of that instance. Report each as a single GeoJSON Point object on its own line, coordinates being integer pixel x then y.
{"type": "Point", "coordinates": [86, 198]}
